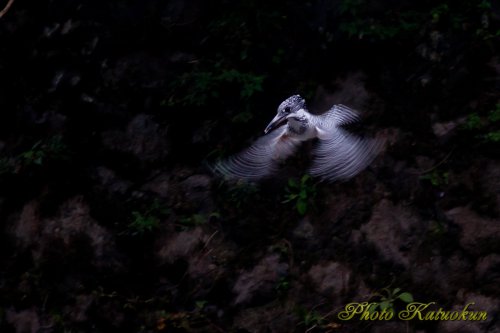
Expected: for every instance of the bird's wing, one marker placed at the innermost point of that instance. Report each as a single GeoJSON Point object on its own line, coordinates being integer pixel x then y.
{"type": "Point", "coordinates": [340, 155]}
{"type": "Point", "coordinates": [338, 115]}
{"type": "Point", "coordinates": [343, 155]}
{"type": "Point", "coordinates": [260, 159]}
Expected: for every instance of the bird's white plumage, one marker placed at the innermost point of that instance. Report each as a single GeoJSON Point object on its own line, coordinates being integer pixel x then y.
{"type": "Point", "coordinates": [338, 115]}
{"type": "Point", "coordinates": [260, 159]}
{"type": "Point", "coordinates": [338, 154]}
{"type": "Point", "coordinates": [343, 155]}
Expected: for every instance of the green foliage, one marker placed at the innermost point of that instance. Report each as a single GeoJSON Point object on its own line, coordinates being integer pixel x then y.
{"type": "Point", "coordinates": [33, 156]}
{"type": "Point", "coordinates": [197, 87]}
{"type": "Point", "coordinates": [143, 222]}
{"type": "Point", "coordinates": [375, 30]}
{"type": "Point", "coordinates": [250, 83]}
{"type": "Point", "coordinates": [313, 321]}
{"type": "Point", "coordinates": [485, 125]}
{"type": "Point", "coordinates": [494, 115]}
{"type": "Point", "coordinates": [357, 21]}
{"type": "Point", "coordinates": [492, 136]}
{"type": "Point", "coordinates": [439, 11]}
{"type": "Point", "coordinates": [473, 121]}
{"type": "Point", "coordinates": [493, 118]}
{"type": "Point", "coordinates": [43, 151]}
{"type": "Point", "coordinates": [350, 6]}
{"type": "Point", "coordinates": [242, 26]}
{"type": "Point", "coordinates": [300, 193]}
{"type": "Point", "coordinates": [197, 219]}
{"type": "Point", "coordinates": [228, 65]}
{"type": "Point", "coordinates": [484, 4]}
{"type": "Point", "coordinates": [437, 177]}
{"type": "Point", "coordinates": [200, 304]}
{"type": "Point", "coordinates": [41, 154]}
{"type": "Point", "coordinates": [388, 297]}
{"type": "Point", "coordinates": [486, 31]}
{"type": "Point", "coordinates": [240, 193]}
{"type": "Point", "coordinates": [282, 286]}
{"type": "Point", "coordinates": [356, 24]}
{"type": "Point", "coordinates": [310, 317]}
{"type": "Point", "coordinates": [193, 220]}
{"type": "Point", "coordinates": [242, 117]}
{"type": "Point", "coordinates": [436, 228]}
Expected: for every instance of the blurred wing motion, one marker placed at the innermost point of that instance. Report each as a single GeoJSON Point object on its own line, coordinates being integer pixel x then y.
{"type": "Point", "coordinates": [340, 155]}
{"type": "Point", "coordinates": [338, 115]}
{"type": "Point", "coordinates": [261, 159]}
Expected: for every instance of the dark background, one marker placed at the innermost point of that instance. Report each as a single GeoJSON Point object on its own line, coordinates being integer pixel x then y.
{"type": "Point", "coordinates": [111, 112]}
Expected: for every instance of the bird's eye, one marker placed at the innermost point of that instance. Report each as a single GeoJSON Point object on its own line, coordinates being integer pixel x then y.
{"type": "Point", "coordinates": [287, 109]}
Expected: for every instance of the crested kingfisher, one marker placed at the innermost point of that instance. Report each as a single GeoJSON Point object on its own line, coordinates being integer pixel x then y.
{"type": "Point", "coordinates": [338, 154]}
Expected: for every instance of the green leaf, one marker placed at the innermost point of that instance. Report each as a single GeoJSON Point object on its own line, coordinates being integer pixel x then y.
{"type": "Point", "coordinates": [373, 307]}
{"type": "Point", "coordinates": [301, 206]}
{"type": "Point", "coordinates": [214, 215]}
{"type": "Point", "coordinates": [305, 178]}
{"type": "Point", "coordinates": [28, 155]}
{"type": "Point", "coordinates": [200, 304]}
{"type": "Point", "coordinates": [38, 161]}
{"type": "Point", "coordinates": [199, 219]}
{"type": "Point", "coordinates": [473, 121]}
{"type": "Point", "coordinates": [290, 197]}
{"type": "Point", "coordinates": [292, 182]}
{"type": "Point", "coordinates": [494, 115]}
{"type": "Point", "coordinates": [396, 291]}
{"type": "Point", "coordinates": [485, 4]}
{"type": "Point", "coordinates": [242, 117]}
{"type": "Point", "coordinates": [493, 136]}
{"type": "Point", "coordinates": [406, 297]}
{"type": "Point", "coordinates": [384, 305]}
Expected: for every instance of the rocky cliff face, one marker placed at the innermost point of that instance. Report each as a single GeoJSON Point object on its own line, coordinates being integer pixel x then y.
{"type": "Point", "coordinates": [110, 220]}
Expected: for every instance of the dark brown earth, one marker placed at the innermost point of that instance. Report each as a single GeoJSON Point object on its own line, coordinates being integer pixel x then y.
{"type": "Point", "coordinates": [112, 111]}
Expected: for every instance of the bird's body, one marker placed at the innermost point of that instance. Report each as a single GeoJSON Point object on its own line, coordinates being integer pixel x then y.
{"type": "Point", "coordinates": [338, 154]}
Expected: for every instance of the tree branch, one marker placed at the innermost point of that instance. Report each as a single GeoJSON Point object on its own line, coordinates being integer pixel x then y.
{"type": "Point", "coordinates": [6, 9]}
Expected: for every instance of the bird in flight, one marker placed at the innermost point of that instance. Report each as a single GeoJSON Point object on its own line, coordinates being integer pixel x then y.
{"type": "Point", "coordinates": [338, 154]}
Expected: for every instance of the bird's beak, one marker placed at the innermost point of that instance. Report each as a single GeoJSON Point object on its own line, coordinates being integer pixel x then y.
{"type": "Point", "coordinates": [275, 123]}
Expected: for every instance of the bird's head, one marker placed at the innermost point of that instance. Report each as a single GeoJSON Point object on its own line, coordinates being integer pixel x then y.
{"type": "Point", "coordinates": [287, 109]}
